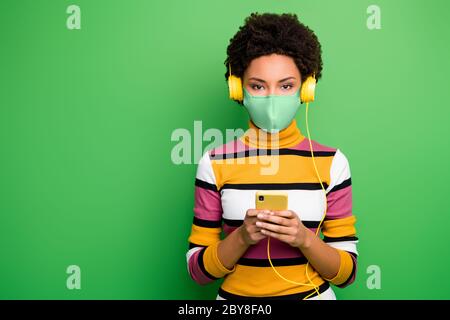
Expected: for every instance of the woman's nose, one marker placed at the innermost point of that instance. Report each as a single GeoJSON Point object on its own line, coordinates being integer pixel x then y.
{"type": "Point", "coordinates": [272, 90]}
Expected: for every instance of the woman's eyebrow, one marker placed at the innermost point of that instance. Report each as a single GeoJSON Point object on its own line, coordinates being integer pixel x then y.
{"type": "Point", "coordinates": [257, 79]}
{"type": "Point", "coordinates": [288, 78]}
{"type": "Point", "coordinates": [261, 80]}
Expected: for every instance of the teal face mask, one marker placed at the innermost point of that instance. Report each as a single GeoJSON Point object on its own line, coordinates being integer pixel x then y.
{"type": "Point", "coordinates": [274, 112]}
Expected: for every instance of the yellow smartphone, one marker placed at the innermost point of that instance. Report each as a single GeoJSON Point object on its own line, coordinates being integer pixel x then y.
{"type": "Point", "coordinates": [271, 200]}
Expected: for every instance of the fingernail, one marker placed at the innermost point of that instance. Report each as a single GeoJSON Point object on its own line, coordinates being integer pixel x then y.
{"type": "Point", "coordinates": [260, 215]}
{"type": "Point", "coordinates": [258, 224]}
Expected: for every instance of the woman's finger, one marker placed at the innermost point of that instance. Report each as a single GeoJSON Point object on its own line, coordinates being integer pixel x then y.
{"type": "Point", "coordinates": [275, 219]}
{"type": "Point", "coordinates": [285, 213]}
{"type": "Point", "coordinates": [275, 228]}
{"type": "Point", "coordinates": [254, 212]}
{"type": "Point", "coordinates": [279, 236]}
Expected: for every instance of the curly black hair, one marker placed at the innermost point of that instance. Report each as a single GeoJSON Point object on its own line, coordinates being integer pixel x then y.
{"type": "Point", "coordinates": [268, 33]}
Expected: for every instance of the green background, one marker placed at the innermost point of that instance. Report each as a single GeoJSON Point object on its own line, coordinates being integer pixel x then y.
{"type": "Point", "coordinates": [86, 118]}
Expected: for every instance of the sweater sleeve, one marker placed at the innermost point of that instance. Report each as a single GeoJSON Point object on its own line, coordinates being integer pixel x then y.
{"type": "Point", "coordinates": [338, 227]}
{"type": "Point", "coordinates": [203, 263]}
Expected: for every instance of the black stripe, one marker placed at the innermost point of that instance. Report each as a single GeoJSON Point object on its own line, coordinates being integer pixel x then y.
{"type": "Point", "coordinates": [275, 186]}
{"type": "Point", "coordinates": [202, 266]}
{"type": "Point", "coordinates": [336, 239]}
{"type": "Point", "coordinates": [311, 224]}
{"type": "Point", "coordinates": [237, 223]}
{"type": "Point", "coordinates": [207, 223]}
{"type": "Point", "coordinates": [205, 185]}
{"type": "Point", "coordinates": [342, 185]}
{"type": "Point", "coordinates": [296, 296]}
{"type": "Point", "coordinates": [346, 282]}
{"type": "Point", "coordinates": [263, 152]}
{"type": "Point", "coordinates": [233, 223]}
{"type": "Point", "coordinates": [275, 262]}
{"type": "Point", "coordinates": [194, 245]}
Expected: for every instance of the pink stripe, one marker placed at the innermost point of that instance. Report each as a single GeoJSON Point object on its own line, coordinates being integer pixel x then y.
{"type": "Point", "coordinates": [339, 203]}
{"type": "Point", "coordinates": [355, 265]}
{"type": "Point", "coordinates": [304, 145]}
{"type": "Point", "coordinates": [227, 229]}
{"type": "Point", "coordinates": [238, 146]}
{"type": "Point", "coordinates": [278, 249]}
{"type": "Point", "coordinates": [352, 279]}
{"type": "Point", "coordinates": [207, 204]}
{"type": "Point", "coordinates": [231, 147]}
{"type": "Point", "coordinates": [195, 271]}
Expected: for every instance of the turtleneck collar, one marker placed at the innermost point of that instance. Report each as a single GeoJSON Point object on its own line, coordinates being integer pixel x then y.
{"type": "Point", "coordinates": [258, 138]}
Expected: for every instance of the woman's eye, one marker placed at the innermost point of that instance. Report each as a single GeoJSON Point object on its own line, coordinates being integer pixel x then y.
{"type": "Point", "coordinates": [256, 87]}
{"type": "Point", "coordinates": [287, 86]}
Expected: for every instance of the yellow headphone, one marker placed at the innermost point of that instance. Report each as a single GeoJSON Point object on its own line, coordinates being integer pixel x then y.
{"type": "Point", "coordinates": [237, 94]}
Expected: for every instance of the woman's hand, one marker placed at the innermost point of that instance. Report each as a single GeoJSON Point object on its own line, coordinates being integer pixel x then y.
{"type": "Point", "coordinates": [250, 233]}
{"type": "Point", "coordinates": [285, 226]}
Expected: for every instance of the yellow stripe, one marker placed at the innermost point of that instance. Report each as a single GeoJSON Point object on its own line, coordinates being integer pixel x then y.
{"type": "Point", "coordinates": [204, 236]}
{"type": "Point", "coordinates": [339, 227]}
{"type": "Point", "coordinates": [345, 268]}
{"type": "Point", "coordinates": [263, 281]}
{"type": "Point", "coordinates": [278, 169]}
{"type": "Point", "coordinates": [212, 263]}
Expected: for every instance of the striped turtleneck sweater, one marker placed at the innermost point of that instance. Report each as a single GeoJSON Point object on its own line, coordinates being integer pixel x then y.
{"type": "Point", "coordinates": [226, 181]}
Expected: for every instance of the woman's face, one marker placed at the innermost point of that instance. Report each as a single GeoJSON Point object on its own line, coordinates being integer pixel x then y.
{"type": "Point", "coordinates": [272, 74]}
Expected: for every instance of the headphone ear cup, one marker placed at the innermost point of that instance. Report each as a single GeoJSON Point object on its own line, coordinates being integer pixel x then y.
{"type": "Point", "coordinates": [307, 90]}
{"type": "Point", "coordinates": [235, 88]}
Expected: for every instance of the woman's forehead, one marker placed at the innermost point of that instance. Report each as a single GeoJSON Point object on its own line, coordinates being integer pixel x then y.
{"type": "Point", "coordinates": [272, 67]}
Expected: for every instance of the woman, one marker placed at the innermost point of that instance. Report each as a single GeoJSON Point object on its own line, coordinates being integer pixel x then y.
{"type": "Point", "coordinates": [273, 55]}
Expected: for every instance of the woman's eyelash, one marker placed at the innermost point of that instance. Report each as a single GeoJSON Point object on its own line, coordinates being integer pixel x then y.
{"type": "Point", "coordinates": [258, 86]}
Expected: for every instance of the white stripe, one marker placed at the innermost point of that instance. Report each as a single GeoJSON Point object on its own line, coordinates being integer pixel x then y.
{"type": "Point", "coordinates": [345, 245]}
{"type": "Point", "coordinates": [204, 169]}
{"type": "Point", "coordinates": [308, 204]}
{"type": "Point", "coordinates": [326, 295]}
{"type": "Point", "coordinates": [339, 170]}
{"type": "Point", "coordinates": [190, 253]}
